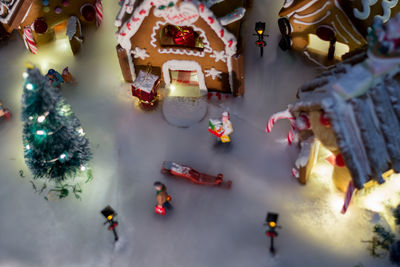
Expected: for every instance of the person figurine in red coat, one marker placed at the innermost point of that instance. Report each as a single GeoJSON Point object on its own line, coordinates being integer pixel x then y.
{"type": "Point", "coordinates": [162, 197]}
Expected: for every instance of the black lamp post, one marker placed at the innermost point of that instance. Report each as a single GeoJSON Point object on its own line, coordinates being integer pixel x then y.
{"type": "Point", "coordinates": [271, 222]}
{"type": "Point", "coordinates": [110, 214]}
{"type": "Point", "coordinates": [260, 28]}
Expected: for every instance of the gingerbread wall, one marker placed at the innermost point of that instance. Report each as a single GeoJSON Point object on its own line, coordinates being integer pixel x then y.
{"type": "Point", "coordinates": [142, 39]}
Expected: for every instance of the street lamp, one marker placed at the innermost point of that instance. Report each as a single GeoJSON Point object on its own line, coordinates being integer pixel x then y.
{"type": "Point", "coordinates": [110, 214]}
{"type": "Point", "coordinates": [271, 221]}
{"type": "Point", "coordinates": [260, 28]}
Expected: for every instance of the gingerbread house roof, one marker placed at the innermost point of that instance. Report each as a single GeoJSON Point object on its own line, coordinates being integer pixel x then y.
{"type": "Point", "coordinates": [13, 13]}
{"type": "Point", "coordinates": [365, 116]}
{"type": "Point", "coordinates": [132, 15]}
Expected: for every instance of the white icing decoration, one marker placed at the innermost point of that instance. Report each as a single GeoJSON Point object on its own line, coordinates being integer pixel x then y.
{"type": "Point", "coordinates": [26, 14]}
{"type": "Point", "coordinates": [339, 33]}
{"type": "Point", "coordinates": [11, 7]}
{"type": "Point", "coordinates": [230, 71]}
{"type": "Point", "coordinates": [352, 26]}
{"type": "Point", "coordinates": [348, 33]}
{"type": "Point", "coordinates": [73, 23]}
{"type": "Point", "coordinates": [127, 8]}
{"type": "Point", "coordinates": [236, 15]}
{"type": "Point", "coordinates": [210, 3]}
{"type": "Point", "coordinates": [364, 14]}
{"type": "Point", "coordinates": [131, 66]}
{"type": "Point", "coordinates": [313, 13]}
{"type": "Point", "coordinates": [185, 14]}
{"type": "Point", "coordinates": [313, 22]}
{"type": "Point", "coordinates": [387, 5]}
{"type": "Point", "coordinates": [219, 55]}
{"type": "Point", "coordinates": [213, 73]}
{"type": "Point", "coordinates": [180, 51]}
{"type": "Point", "coordinates": [188, 65]}
{"type": "Point", "coordinates": [287, 3]}
{"type": "Point", "coordinates": [140, 53]}
{"type": "Point", "coordinates": [303, 7]}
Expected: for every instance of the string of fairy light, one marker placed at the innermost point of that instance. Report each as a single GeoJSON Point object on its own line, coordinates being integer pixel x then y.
{"type": "Point", "coordinates": [64, 110]}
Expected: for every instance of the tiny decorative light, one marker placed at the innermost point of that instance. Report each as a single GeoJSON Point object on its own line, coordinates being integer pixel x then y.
{"type": "Point", "coordinates": [80, 131]}
{"type": "Point", "coordinates": [25, 75]}
{"type": "Point", "coordinates": [172, 87]}
{"type": "Point", "coordinates": [28, 147]}
{"type": "Point", "coordinates": [30, 118]}
{"type": "Point", "coordinates": [41, 118]}
{"type": "Point", "coordinates": [63, 156]}
{"type": "Point", "coordinates": [40, 132]}
{"type": "Point", "coordinates": [260, 27]}
{"type": "Point", "coordinates": [83, 168]}
{"type": "Point", "coordinates": [29, 86]}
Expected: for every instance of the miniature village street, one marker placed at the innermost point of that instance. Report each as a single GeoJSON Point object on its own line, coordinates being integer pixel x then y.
{"type": "Point", "coordinates": [208, 226]}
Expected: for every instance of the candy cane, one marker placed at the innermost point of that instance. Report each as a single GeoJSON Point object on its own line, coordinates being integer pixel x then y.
{"type": "Point", "coordinates": [286, 114]}
{"type": "Point", "coordinates": [349, 194]}
{"type": "Point", "coordinates": [28, 36]}
{"type": "Point", "coordinates": [99, 12]}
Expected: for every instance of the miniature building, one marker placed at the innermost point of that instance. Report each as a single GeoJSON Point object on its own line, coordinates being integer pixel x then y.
{"type": "Point", "coordinates": [39, 21]}
{"type": "Point", "coordinates": [325, 30]}
{"type": "Point", "coordinates": [354, 111]}
{"type": "Point", "coordinates": [184, 43]}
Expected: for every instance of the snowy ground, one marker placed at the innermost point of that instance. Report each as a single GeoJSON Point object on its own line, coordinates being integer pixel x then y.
{"type": "Point", "coordinates": [209, 226]}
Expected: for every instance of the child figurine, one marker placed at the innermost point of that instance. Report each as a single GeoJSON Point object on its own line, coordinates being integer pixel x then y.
{"type": "Point", "coordinates": [221, 129]}
{"type": "Point", "coordinates": [67, 76]}
{"type": "Point", "coordinates": [227, 127]}
{"type": "Point", "coordinates": [162, 198]}
{"type": "Point", "coordinates": [55, 78]}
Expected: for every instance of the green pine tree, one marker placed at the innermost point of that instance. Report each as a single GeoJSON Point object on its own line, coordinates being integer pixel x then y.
{"type": "Point", "coordinates": [55, 145]}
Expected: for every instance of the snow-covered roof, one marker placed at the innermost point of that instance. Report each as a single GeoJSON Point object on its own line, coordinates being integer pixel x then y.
{"type": "Point", "coordinates": [364, 118]}
{"type": "Point", "coordinates": [145, 81]}
{"type": "Point", "coordinates": [184, 15]}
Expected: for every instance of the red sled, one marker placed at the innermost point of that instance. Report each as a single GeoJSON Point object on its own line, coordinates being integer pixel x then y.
{"type": "Point", "coordinates": [175, 169]}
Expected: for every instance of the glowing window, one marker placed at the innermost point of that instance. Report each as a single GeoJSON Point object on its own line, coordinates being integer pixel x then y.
{"type": "Point", "coordinates": [319, 46]}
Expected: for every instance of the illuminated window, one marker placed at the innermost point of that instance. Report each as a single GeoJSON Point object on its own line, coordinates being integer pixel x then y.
{"type": "Point", "coordinates": [319, 46]}
{"type": "Point", "coordinates": [176, 36]}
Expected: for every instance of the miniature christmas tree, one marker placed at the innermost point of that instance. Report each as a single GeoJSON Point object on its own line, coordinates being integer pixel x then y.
{"type": "Point", "coordinates": [55, 145]}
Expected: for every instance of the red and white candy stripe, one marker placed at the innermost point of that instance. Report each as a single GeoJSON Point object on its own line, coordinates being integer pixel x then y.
{"type": "Point", "coordinates": [349, 194]}
{"type": "Point", "coordinates": [28, 36]}
{"type": "Point", "coordinates": [99, 12]}
{"type": "Point", "coordinates": [286, 114]}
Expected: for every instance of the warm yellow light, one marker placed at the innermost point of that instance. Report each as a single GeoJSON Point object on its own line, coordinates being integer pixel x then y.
{"type": "Point", "coordinates": [109, 217]}
{"type": "Point", "coordinates": [260, 32]}
{"type": "Point", "coordinates": [319, 46]}
{"type": "Point", "coordinates": [172, 87]}
{"type": "Point", "coordinates": [272, 224]}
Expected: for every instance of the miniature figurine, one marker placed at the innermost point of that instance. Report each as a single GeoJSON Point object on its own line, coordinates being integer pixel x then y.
{"type": "Point", "coordinates": [4, 112]}
{"type": "Point", "coordinates": [162, 198]}
{"type": "Point", "coordinates": [55, 78]}
{"type": "Point", "coordinates": [109, 213]}
{"type": "Point", "coordinates": [221, 129]}
{"type": "Point", "coordinates": [67, 76]}
{"type": "Point", "coordinates": [271, 221]}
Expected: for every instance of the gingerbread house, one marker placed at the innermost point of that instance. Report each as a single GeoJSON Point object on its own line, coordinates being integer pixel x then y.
{"type": "Point", "coordinates": [41, 21]}
{"type": "Point", "coordinates": [353, 110]}
{"type": "Point", "coordinates": [184, 43]}
{"type": "Point", "coordinates": [325, 30]}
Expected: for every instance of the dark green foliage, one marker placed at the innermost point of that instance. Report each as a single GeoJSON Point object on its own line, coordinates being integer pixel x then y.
{"type": "Point", "coordinates": [395, 253]}
{"type": "Point", "coordinates": [386, 238]}
{"type": "Point", "coordinates": [54, 143]}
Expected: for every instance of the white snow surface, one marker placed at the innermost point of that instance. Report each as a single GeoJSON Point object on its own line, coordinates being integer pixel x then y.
{"type": "Point", "coordinates": [209, 226]}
